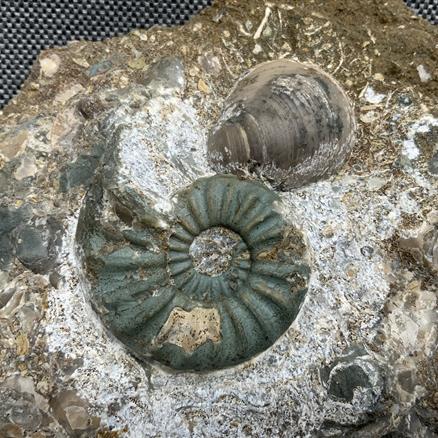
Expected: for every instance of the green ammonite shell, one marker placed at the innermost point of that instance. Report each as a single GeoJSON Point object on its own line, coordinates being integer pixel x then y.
{"type": "Point", "coordinates": [218, 287]}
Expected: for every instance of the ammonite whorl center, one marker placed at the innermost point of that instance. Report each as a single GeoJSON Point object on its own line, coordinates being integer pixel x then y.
{"type": "Point", "coordinates": [216, 289]}
{"type": "Point", "coordinates": [212, 251]}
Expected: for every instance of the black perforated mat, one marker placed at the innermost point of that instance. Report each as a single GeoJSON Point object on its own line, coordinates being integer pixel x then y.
{"type": "Point", "coordinates": [27, 26]}
{"type": "Point", "coordinates": [428, 9]}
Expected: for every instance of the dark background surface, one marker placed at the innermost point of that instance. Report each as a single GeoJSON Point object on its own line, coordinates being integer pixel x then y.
{"type": "Point", "coordinates": [27, 26]}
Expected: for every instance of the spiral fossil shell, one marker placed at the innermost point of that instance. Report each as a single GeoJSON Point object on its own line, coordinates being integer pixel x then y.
{"type": "Point", "coordinates": [290, 122]}
{"type": "Point", "coordinates": [153, 291]}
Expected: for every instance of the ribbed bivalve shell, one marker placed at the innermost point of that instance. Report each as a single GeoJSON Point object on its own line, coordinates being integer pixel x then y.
{"type": "Point", "coordinates": [290, 122]}
{"type": "Point", "coordinates": [151, 294]}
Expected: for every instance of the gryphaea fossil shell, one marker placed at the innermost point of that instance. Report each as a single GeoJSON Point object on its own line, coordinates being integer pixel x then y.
{"type": "Point", "coordinates": [216, 288]}
{"type": "Point", "coordinates": [288, 121]}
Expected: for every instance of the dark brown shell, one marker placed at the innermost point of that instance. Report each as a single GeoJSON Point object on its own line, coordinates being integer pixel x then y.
{"type": "Point", "coordinates": [290, 122]}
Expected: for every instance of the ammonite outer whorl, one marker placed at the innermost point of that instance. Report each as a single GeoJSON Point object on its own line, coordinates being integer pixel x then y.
{"type": "Point", "coordinates": [288, 121]}
{"type": "Point", "coordinates": [218, 287]}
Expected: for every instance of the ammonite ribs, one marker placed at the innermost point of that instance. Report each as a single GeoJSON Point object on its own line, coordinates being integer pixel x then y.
{"type": "Point", "coordinates": [221, 285]}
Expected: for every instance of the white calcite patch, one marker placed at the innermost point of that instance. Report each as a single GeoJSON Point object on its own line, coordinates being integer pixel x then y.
{"type": "Point", "coordinates": [423, 125]}
{"type": "Point", "coordinates": [371, 96]}
{"type": "Point", "coordinates": [50, 64]}
{"type": "Point", "coordinates": [423, 73]}
{"type": "Point", "coordinates": [410, 149]}
{"type": "Point", "coordinates": [161, 148]}
{"type": "Point", "coordinates": [26, 168]}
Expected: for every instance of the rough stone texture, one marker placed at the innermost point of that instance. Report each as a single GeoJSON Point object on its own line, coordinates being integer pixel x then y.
{"type": "Point", "coordinates": [212, 251]}
{"type": "Point", "coordinates": [370, 315]}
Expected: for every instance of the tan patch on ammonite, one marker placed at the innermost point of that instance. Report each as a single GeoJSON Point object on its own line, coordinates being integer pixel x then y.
{"type": "Point", "coordinates": [189, 330]}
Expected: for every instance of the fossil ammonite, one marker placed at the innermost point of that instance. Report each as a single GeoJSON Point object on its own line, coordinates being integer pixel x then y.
{"type": "Point", "coordinates": [215, 288]}
{"type": "Point", "coordinates": [288, 121]}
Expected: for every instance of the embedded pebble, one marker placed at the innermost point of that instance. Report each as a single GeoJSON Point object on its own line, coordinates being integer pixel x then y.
{"type": "Point", "coordinates": [10, 218]}
{"type": "Point", "coordinates": [202, 86]}
{"type": "Point", "coordinates": [77, 417]}
{"type": "Point", "coordinates": [36, 246]}
{"type": "Point", "coordinates": [14, 145]}
{"type": "Point", "coordinates": [372, 96]}
{"type": "Point", "coordinates": [69, 92]}
{"type": "Point", "coordinates": [165, 76]}
{"type": "Point", "coordinates": [81, 62]}
{"type": "Point", "coordinates": [50, 65]}
{"type": "Point", "coordinates": [433, 164]}
{"type": "Point", "coordinates": [424, 75]}
{"type": "Point", "coordinates": [99, 68]}
{"type": "Point", "coordinates": [26, 168]}
{"type": "Point", "coordinates": [257, 49]}
{"type": "Point", "coordinates": [210, 63]}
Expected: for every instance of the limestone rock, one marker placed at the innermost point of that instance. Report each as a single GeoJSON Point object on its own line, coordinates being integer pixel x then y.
{"type": "Point", "coordinates": [132, 114]}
